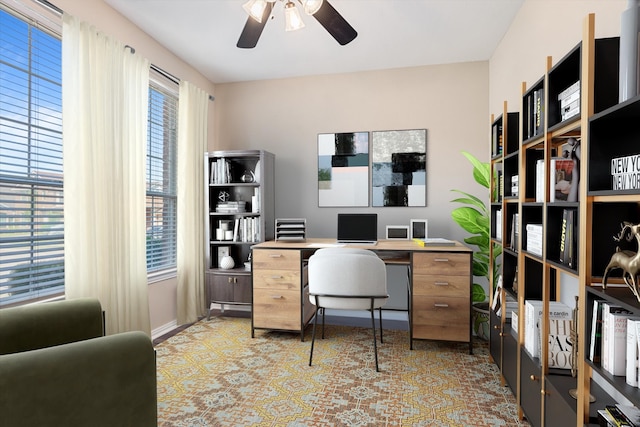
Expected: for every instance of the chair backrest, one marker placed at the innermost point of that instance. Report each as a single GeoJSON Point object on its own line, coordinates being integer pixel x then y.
{"type": "Point", "coordinates": [350, 273]}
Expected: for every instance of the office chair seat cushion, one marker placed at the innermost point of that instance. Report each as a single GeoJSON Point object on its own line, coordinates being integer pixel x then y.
{"type": "Point", "coordinates": [348, 275]}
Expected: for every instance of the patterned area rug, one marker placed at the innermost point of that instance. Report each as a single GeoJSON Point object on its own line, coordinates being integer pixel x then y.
{"type": "Point", "coordinates": [215, 374]}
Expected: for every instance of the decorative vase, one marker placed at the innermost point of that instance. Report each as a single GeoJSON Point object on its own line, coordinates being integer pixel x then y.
{"type": "Point", "coordinates": [480, 320]}
{"type": "Point", "coordinates": [227, 262]}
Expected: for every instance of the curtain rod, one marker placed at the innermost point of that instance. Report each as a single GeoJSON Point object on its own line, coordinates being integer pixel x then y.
{"type": "Point", "coordinates": [155, 68]}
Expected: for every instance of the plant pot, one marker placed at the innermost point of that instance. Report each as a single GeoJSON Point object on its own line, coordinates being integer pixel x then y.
{"type": "Point", "coordinates": [480, 319]}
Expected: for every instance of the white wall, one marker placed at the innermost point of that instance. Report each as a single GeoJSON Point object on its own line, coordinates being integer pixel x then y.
{"type": "Point", "coordinates": [285, 116]}
{"type": "Point", "coordinates": [543, 28]}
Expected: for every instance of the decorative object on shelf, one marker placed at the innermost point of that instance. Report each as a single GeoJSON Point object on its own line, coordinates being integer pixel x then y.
{"type": "Point", "coordinates": [419, 228]}
{"type": "Point", "coordinates": [475, 218]}
{"type": "Point", "coordinates": [629, 29]}
{"type": "Point", "coordinates": [625, 173]}
{"type": "Point", "coordinates": [248, 176]}
{"type": "Point", "coordinates": [397, 232]}
{"type": "Point", "coordinates": [399, 168]}
{"type": "Point", "coordinates": [343, 169]}
{"type": "Point", "coordinates": [626, 260]}
{"type": "Point", "coordinates": [227, 262]}
{"type": "Point", "coordinates": [223, 196]}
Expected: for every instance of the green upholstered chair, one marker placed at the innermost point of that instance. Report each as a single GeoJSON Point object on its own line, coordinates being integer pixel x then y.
{"type": "Point", "coordinates": [57, 368]}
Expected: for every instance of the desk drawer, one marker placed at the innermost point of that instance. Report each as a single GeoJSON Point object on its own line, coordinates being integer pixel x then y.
{"type": "Point", "coordinates": [276, 310]}
{"type": "Point", "coordinates": [441, 318]}
{"type": "Point", "coordinates": [276, 259]}
{"type": "Point", "coordinates": [277, 279]}
{"type": "Point", "coordinates": [441, 263]}
{"type": "Point", "coordinates": [441, 285]}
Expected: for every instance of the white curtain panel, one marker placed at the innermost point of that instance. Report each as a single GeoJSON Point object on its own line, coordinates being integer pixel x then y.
{"type": "Point", "coordinates": [192, 143]}
{"type": "Point", "coordinates": [104, 99]}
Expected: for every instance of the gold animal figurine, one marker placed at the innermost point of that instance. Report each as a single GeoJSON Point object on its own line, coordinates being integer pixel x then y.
{"type": "Point", "coordinates": [628, 261]}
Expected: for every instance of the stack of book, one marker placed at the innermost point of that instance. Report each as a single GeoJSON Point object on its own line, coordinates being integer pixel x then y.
{"type": "Point", "coordinates": [231, 207]}
{"type": "Point", "coordinates": [619, 415]}
{"type": "Point", "coordinates": [569, 100]}
{"type": "Point", "coordinates": [559, 329]}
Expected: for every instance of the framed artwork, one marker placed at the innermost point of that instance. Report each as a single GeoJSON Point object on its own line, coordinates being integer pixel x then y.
{"type": "Point", "coordinates": [397, 232]}
{"type": "Point", "coordinates": [419, 229]}
{"type": "Point", "coordinates": [343, 169]}
{"type": "Point", "coordinates": [399, 168]}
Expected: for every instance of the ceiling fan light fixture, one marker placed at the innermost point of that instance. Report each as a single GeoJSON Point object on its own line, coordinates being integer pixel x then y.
{"type": "Point", "coordinates": [311, 6]}
{"type": "Point", "coordinates": [292, 18]}
{"type": "Point", "coordinates": [255, 8]}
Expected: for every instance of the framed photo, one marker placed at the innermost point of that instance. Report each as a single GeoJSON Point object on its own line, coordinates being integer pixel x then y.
{"type": "Point", "coordinates": [223, 251]}
{"type": "Point", "coordinates": [343, 169]}
{"type": "Point", "coordinates": [399, 168]}
{"type": "Point", "coordinates": [419, 229]}
{"type": "Point", "coordinates": [397, 232]}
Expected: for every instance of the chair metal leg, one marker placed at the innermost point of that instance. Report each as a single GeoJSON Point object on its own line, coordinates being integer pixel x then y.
{"type": "Point", "coordinates": [322, 322]}
{"type": "Point", "coordinates": [313, 334]}
{"type": "Point", "coordinates": [373, 326]}
{"type": "Point", "coordinates": [380, 317]}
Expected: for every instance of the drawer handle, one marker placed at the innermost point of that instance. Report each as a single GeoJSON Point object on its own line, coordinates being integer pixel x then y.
{"type": "Point", "coordinates": [441, 305]}
{"type": "Point", "coordinates": [276, 296]}
{"type": "Point", "coordinates": [441, 283]}
{"type": "Point", "coordinates": [534, 378]}
{"type": "Point", "coordinates": [275, 255]}
{"type": "Point", "coordinates": [441, 259]}
{"type": "Point", "coordinates": [276, 277]}
{"type": "Point", "coordinates": [232, 280]}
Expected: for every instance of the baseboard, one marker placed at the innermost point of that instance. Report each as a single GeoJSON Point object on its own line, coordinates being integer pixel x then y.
{"type": "Point", "coordinates": [164, 329]}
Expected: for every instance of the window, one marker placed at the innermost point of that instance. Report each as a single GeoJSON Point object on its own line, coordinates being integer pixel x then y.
{"type": "Point", "coordinates": [31, 184]}
{"type": "Point", "coordinates": [161, 179]}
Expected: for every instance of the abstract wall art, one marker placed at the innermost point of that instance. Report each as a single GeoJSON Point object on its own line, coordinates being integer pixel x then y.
{"type": "Point", "coordinates": [399, 168]}
{"type": "Point", "coordinates": [343, 169]}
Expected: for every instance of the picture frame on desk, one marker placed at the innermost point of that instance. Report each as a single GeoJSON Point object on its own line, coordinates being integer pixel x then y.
{"type": "Point", "coordinates": [419, 229]}
{"type": "Point", "coordinates": [397, 232]}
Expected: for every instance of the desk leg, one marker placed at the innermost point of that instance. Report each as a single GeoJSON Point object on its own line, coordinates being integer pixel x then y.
{"type": "Point", "coordinates": [409, 304]}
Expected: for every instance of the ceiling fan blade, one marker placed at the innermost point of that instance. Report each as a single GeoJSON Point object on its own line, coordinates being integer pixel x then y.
{"type": "Point", "coordinates": [253, 29]}
{"type": "Point", "coordinates": [335, 24]}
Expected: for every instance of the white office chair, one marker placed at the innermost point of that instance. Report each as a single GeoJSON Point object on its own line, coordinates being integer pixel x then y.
{"type": "Point", "coordinates": [347, 279]}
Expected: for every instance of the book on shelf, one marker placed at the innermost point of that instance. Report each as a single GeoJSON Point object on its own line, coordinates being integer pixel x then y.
{"type": "Point", "coordinates": [563, 179]}
{"type": "Point", "coordinates": [515, 233]}
{"type": "Point", "coordinates": [534, 238]}
{"type": "Point", "coordinates": [614, 338]}
{"type": "Point", "coordinates": [631, 412]}
{"type": "Point", "coordinates": [595, 344]}
{"type": "Point", "coordinates": [434, 241]}
{"type": "Point", "coordinates": [499, 224]}
{"type": "Point", "coordinates": [540, 181]}
{"type": "Point", "coordinates": [605, 419]}
{"type": "Point", "coordinates": [532, 322]}
{"type": "Point", "coordinates": [560, 343]}
{"type": "Point", "coordinates": [631, 364]}
{"type": "Point", "coordinates": [568, 238]}
{"type": "Point", "coordinates": [539, 111]}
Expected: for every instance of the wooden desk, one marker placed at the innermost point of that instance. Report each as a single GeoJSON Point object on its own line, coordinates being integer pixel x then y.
{"type": "Point", "coordinates": [440, 280]}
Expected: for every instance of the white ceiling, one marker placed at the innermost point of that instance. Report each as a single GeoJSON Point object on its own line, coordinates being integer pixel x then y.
{"type": "Point", "coordinates": [391, 34]}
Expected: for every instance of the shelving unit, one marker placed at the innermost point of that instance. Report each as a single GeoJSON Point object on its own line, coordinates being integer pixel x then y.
{"type": "Point", "coordinates": [603, 131]}
{"type": "Point", "coordinates": [240, 211]}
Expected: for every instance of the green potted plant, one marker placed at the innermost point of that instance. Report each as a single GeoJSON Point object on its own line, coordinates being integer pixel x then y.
{"type": "Point", "coordinates": [475, 218]}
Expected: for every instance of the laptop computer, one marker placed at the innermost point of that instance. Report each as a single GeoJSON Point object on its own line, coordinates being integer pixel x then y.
{"type": "Point", "coordinates": [358, 228]}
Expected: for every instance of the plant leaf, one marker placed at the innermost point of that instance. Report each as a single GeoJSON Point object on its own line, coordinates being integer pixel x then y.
{"type": "Point", "coordinates": [477, 293]}
{"type": "Point", "coordinates": [481, 171]}
{"type": "Point", "coordinates": [467, 218]}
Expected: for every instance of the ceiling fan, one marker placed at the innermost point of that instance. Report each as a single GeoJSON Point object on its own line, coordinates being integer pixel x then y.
{"type": "Point", "coordinates": [260, 10]}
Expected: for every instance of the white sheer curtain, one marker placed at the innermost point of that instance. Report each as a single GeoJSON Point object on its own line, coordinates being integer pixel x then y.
{"type": "Point", "coordinates": [192, 144]}
{"type": "Point", "coordinates": [104, 99]}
